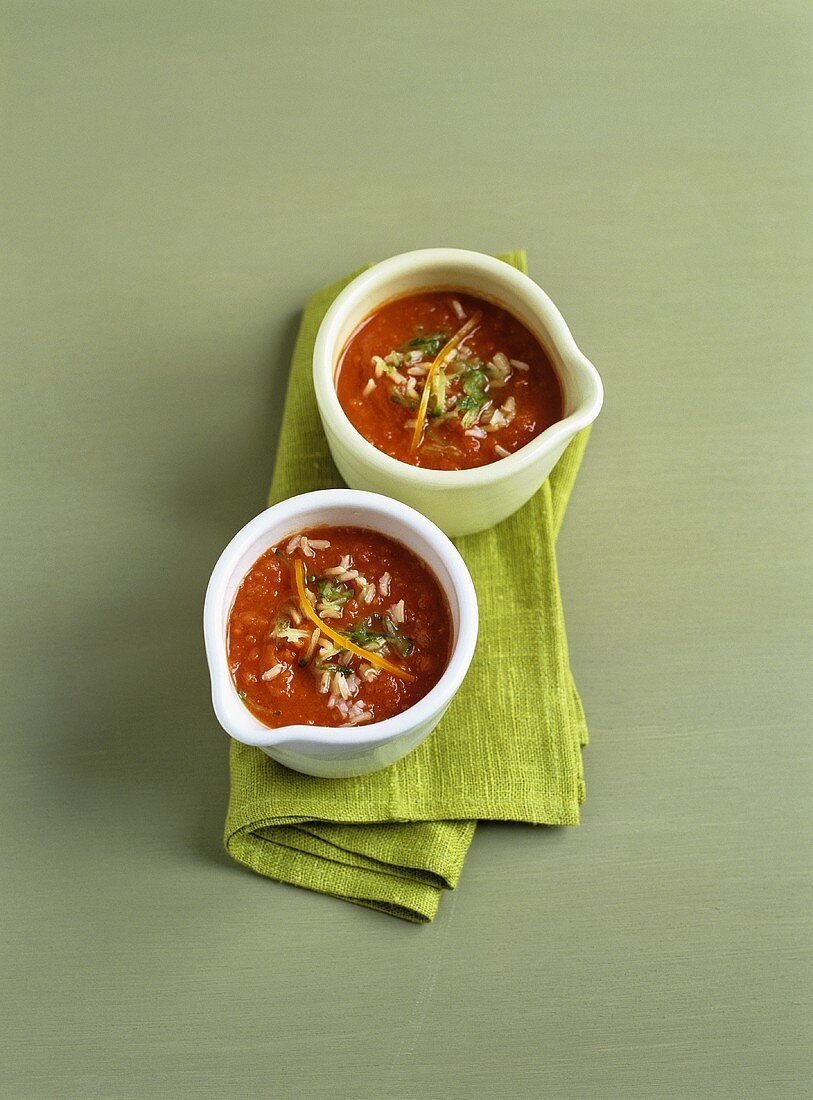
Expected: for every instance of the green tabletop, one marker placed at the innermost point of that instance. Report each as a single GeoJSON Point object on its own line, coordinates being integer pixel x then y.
{"type": "Point", "coordinates": [178, 178]}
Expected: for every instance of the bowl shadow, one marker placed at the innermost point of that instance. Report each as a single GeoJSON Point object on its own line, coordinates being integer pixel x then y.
{"type": "Point", "coordinates": [145, 759]}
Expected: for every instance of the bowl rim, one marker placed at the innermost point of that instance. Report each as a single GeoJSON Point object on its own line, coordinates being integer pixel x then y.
{"type": "Point", "coordinates": [238, 721]}
{"type": "Point", "coordinates": [373, 282]}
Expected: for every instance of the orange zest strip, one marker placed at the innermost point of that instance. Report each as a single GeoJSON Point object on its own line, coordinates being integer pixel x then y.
{"type": "Point", "coordinates": [339, 639]}
{"type": "Point", "coordinates": [439, 361]}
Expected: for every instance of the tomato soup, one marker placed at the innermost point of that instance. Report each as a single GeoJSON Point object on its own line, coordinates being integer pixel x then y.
{"type": "Point", "coordinates": [337, 626]}
{"type": "Point", "coordinates": [447, 381]}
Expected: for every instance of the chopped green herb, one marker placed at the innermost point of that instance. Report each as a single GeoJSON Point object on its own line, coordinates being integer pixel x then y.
{"type": "Point", "coordinates": [474, 384]}
{"type": "Point", "coordinates": [331, 591]}
{"type": "Point", "coordinates": [470, 408]}
{"type": "Point", "coordinates": [474, 389]}
{"type": "Point", "coordinates": [242, 694]}
{"type": "Point", "coordinates": [362, 635]}
{"type": "Point", "coordinates": [401, 644]}
{"type": "Point", "coordinates": [325, 666]}
{"type": "Point", "coordinates": [429, 344]}
{"type": "Point", "coordinates": [439, 385]}
{"type": "Point", "coordinates": [398, 400]}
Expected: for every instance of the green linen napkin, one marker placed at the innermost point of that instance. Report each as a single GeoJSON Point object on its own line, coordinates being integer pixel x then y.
{"type": "Point", "coordinates": [508, 748]}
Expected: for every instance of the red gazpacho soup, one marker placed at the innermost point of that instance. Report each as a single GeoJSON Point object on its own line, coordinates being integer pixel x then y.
{"type": "Point", "coordinates": [447, 381]}
{"type": "Point", "coordinates": [337, 626]}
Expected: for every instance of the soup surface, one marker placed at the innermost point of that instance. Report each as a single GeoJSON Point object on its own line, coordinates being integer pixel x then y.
{"type": "Point", "coordinates": [446, 381]}
{"type": "Point", "coordinates": [337, 626]}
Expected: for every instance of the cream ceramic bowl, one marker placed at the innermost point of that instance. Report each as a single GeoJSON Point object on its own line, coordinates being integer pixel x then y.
{"type": "Point", "coordinates": [458, 501]}
{"type": "Point", "coordinates": [324, 750]}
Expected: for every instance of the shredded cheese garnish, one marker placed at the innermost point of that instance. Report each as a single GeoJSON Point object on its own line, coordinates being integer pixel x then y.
{"type": "Point", "coordinates": [372, 658]}
{"type": "Point", "coordinates": [439, 361]}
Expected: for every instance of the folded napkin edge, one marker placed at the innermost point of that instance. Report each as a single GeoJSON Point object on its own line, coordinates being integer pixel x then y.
{"type": "Point", "coordinates": [523, 809]}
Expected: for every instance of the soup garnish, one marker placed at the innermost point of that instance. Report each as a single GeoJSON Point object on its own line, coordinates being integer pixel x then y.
{"type": "Point", "coordinates": [337, 626]}
{"type": "Point", "coordinates": [431, 387]}
{"type": "Point", "coordinates": [447, 381]}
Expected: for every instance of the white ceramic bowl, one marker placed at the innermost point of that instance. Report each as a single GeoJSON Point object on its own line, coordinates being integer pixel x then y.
{"type": "Point", "coordinates": [324, 750]}
{"type": "Point", "coordinates": [459, 501]}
